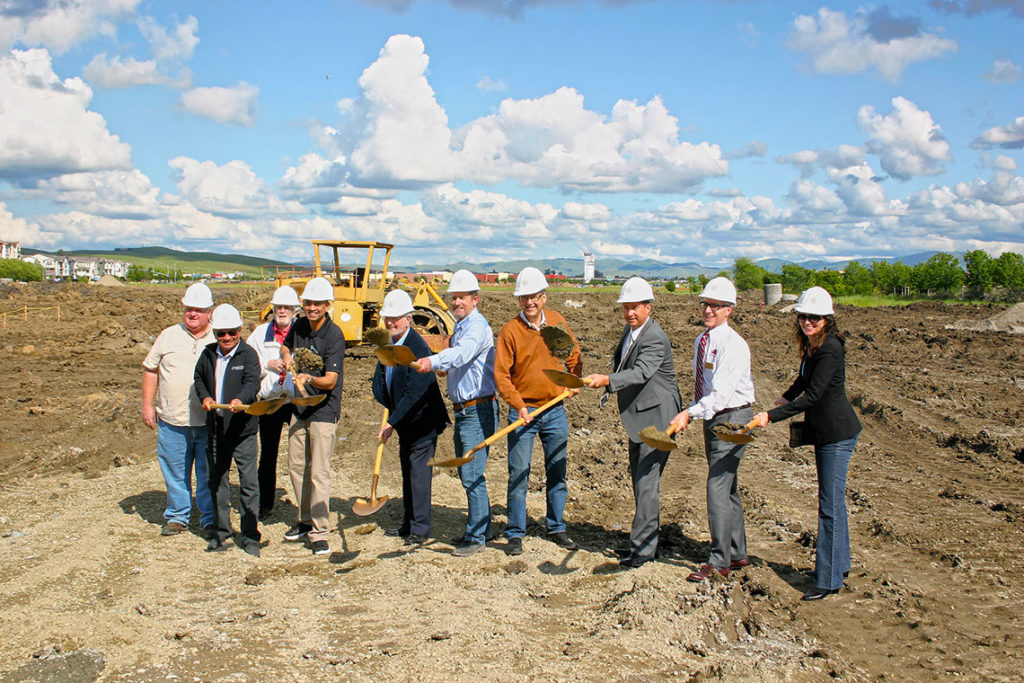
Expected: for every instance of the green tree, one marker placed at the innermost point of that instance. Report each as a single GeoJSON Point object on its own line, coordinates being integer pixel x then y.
{"type": "Point", "coordinates": [940, 273]}
{"type": "Point", "coordinates": [1009, 270]}
{"type": "Point", "coordinates": [747, 274]}
{"type": "Point", "coordinates": [796, 278]}
{"type": "Point", "coordinates": [19, 270]}
{"type": "Point", "coordinates": [980, 271]}
{"type": "Point", "coordinates": [137, 274]}
{"type": "Point", "coordinates": [858, 279]}
{"type": "Point", "coordinates": [831, 280]}
{"type": "Point", "coordinates": [891, 276]}
{"type": "Point", "coordinates": [702, 282]}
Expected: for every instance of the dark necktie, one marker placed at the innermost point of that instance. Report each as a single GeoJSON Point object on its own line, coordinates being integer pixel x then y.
{"type": "Point", "coordinates": [698, 369]}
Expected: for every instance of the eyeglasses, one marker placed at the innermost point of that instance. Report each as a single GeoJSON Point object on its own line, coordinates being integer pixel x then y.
{"type": "Point", "coordinates": [809, 318]}
{"type": "Point", "coordinates": [708, 304]}
{"type": "Point", "coordinates": [227, 333]}
{"type": "Point", "coordinates": [532, 297]}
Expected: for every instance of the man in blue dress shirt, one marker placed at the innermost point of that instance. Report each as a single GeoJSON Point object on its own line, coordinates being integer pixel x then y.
{"type": "Point", "coordinates": [469, 362]}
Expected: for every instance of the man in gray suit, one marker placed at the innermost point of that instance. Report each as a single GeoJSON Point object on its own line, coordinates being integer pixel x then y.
{"type": "Point", "coordinates": [644, 381]}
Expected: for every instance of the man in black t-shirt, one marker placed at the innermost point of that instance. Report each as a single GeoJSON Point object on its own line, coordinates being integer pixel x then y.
{"type": "Point", "coordinates": [311, 435]}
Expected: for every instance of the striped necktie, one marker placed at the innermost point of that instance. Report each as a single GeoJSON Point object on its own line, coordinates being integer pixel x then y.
{"type": "Point", "coordinates": [698, 368]}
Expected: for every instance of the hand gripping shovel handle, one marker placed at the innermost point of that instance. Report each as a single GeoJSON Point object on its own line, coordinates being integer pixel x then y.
{"type": "Point", "coordinates": [228, 406]}
{"type": "Point", "coordinates": [299, 384]}
{"type": "Point", "coordinates": [518, 423]}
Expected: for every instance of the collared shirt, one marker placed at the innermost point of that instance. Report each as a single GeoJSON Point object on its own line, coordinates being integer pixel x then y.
{"type": "Point", "coordinates": [267, 340]}
{"type": "Point", "coordinates": [220, 369]}
{"type": "Point", "coordinates": [388, 370]}
{"type": "Point", "coordinates": [173, 357]}
{"type": "Point", "coordinates": [468, 360]}
{"type": "Point", "coordinates": [543, 321]}
{"type": "Point", "coordinates": [728, 382]}
{"type": "Point", "coordinates": [630, 340]}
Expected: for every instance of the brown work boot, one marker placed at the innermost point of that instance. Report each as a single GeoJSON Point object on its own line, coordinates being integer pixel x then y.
{"type": "Point", "coordinates": [172, 529]}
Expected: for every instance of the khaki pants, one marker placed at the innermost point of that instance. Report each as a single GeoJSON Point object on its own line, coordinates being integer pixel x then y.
{"type": "Point", "coordinates": [310, 445]}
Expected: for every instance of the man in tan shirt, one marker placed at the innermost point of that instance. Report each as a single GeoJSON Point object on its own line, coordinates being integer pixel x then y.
{"type": "Point", "coordinates": [178, 417]}
{"type": "Point", "coordinates": [519, 357]}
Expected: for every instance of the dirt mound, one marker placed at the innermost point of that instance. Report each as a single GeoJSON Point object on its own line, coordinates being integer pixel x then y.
{"type": "Point", "coordinates": [933, 492]}
{"type": "Point", "coordinates": [1009, 320]}
{"type": "Point", "coordinates": [109, 281]}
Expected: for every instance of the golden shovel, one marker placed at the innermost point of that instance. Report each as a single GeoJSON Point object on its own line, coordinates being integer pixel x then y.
{"type": "Point", "coordinates": [257, 407]}
{"type": "Point", "coordinates": [456, 462]}
{"type": "Point", "coordinates": [564, 379]}
{"type": "Point", "coordinates": [395, 354]}
{"type": "Point", "coordinates": [306, 401]}
{"type": "Point", "coordinates": [660, 439]}
{"type": "Point", "coordinates": [363, 507]}
{"type": "Point", "coordinates": [734, 433]}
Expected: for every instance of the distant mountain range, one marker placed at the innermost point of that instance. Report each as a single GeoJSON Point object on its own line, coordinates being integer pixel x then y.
{"type": "Point", "coordinates": [202, 261]}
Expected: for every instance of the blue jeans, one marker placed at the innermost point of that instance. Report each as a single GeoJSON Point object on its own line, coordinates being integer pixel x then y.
{"type": "Point", "coordinates": [473, 424]}
{"type": "Point", "coordinates": [832, 555]}
{"type": "Point", "coordinates": [179, 449]}
{"type": "Point", "coordinates": [553, 428]}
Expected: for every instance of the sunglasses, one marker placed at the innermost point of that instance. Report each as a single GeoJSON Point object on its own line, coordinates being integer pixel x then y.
{"type": "Point", "coordinates": [708, 304]}
{"type": "Point", "coordinates": [227, 333]}
{"type": "Point", "coordinates": [809, 318]}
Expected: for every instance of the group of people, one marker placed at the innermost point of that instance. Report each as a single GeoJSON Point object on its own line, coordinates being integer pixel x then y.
{"type": "Point", "coordinates": [480, 369]}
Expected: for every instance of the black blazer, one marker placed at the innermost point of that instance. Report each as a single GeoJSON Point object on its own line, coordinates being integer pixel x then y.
{"type": "Point", "coordinates": [415, 405]}
{"type": "Point", "coordinates": [820, 393]}
{"type": "Point", "coordinates": [241, 381]}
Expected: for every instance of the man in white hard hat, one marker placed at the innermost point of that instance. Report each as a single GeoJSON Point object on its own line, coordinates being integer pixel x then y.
{"type": "Point", "coordinates": [267, 339]}
{"type": "Point", "coordinates": [416, 411]}
{"type": "Point", "coordinates": [313, 430]}
{"type": "Point", "coordinates": [643, 379]}
{"type": "Point", "coordinates": [178, 417]}
{"type": "Point", "coordinates": [520, 355]}
{"type": "Point", "coordinates": [469, 362]}
{"type": "Point", "coordinates": [723, 392]}
{"type": "Point", "coordinates": [228, 372]}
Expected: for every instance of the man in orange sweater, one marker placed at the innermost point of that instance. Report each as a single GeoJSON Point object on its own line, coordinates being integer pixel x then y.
{"type": "Point", "coordinates": [519, 357]}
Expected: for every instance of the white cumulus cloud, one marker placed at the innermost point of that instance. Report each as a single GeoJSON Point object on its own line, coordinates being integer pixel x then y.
{"type": "Point", "coordinates": [907, 141]}
{"type": "Point", "coordinates": [114, 72]}
{"type": "Point", "coordinates": [59, 25]}
{"type": "Point", "coordinates": [835, 43]}
{"type": "Point", "coordinates": [237, 104]}
{"type": "Point", "coordinates": [46, 128]}
{"type": "Point", "coordinates": [178, 43]}
{"type": "Point", "coordinates": [229, 190]}
{"type": "Point", "coordinates": [1010, 136]}
{"type": "Point", "coordinates": [1003, 71]}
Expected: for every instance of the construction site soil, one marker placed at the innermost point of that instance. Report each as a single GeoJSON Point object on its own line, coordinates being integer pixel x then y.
{"type": "Point", "coordinates": [91, 591]}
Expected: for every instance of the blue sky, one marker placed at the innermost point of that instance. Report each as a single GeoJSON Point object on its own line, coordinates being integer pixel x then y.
{"type": "Point", "coordinates": [485, 130]}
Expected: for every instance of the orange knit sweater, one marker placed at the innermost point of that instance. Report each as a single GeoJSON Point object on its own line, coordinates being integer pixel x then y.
{"type": "Point", "coordinates": [519, 357]}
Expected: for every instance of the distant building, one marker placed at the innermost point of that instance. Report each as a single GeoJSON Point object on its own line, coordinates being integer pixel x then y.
{"type": "Point", "coordinates": [115, 268]}
{"type": "Point", "coordinates": [10, 250]}
{"type": "Point", "coordinates": [588, 266]}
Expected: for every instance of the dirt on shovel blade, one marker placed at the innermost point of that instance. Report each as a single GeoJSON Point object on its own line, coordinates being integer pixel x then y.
{"type": "Point", "coordinates": [307, 361]}
{"type": "Point", "coordinates": [558, 341]}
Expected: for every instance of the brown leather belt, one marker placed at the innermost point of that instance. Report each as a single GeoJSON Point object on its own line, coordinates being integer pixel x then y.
{"type": "Point", "coordinates": [473, 402]}
{"type": "Point", "coordinates": [732, 410]}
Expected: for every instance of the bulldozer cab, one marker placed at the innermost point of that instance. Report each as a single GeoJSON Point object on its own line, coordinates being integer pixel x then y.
{"type": "Point", "coordinates": [358, 270]}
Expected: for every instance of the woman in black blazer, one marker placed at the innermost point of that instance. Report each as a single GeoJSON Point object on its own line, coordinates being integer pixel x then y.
{"type": "Point", "coordinates": [819, 392]}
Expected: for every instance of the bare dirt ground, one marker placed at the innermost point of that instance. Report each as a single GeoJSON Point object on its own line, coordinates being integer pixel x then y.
{"type": "Point", "coordinates": [90, 589]}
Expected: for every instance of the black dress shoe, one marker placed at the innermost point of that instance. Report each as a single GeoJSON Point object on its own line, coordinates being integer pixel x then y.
{"type": "Point", "coordinates": [562, 540]}
{"type": "Point", "coordinates": [819, 593]}
{"type": "Point", "coordinates": [396, 531]}
{"type": "Point", "coordinates": [215, 545]}
{"type": "Point", "coordinates": [634, 561]}
{"type": "Point", "coordinates": [415, 539]}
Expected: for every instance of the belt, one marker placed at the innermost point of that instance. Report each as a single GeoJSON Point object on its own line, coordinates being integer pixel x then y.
{"type": "Point", "coordinates": [473, 402]}
{"type": "Point", "coordinates": [732, 410]}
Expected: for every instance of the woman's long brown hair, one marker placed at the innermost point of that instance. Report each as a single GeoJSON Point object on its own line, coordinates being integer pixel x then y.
{"type": "Point", "coordinates": [804, 343]}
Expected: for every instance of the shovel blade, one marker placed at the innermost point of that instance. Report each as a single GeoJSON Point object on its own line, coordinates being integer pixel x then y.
{"type": "Point", "coordinates": [563, 379]}
{"type": "Point", "coordinates": [450, 462]}
{"type": "Point", "coordinates": [657, 438]}
{"type": "Point", "coordinates": [306, 401]}
{"type": "Point", "coordinates": [364, 508]}
{"type": "Point", "coordinates": [266, 407]}
{"type": "Point", "coordinates": [393, 355]}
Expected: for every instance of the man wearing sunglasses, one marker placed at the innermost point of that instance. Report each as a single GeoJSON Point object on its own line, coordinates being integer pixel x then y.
{"type": "Point", "coordinates": [228, 373]}
{"type": "Point", "coordinates": [723, 392]}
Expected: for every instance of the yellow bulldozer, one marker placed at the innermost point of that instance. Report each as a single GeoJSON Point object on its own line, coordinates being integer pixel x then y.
{"type": "Point", "coordinates": [359, 291]}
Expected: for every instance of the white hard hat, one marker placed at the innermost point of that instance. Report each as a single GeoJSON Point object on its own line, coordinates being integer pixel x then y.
{"type": "Point", "coordinates": [198, 296]}
{"type": "Point", "coordinates": [396, 304]}
{"type": "Point", "coordinates": [225, 317]}
{"type": "Point", "coordinates": [814, 301]}
{"type": "Point", "coordinates": [318, 289]}
{"type": "Point", "coordinates": [720, 289]}
{"type": "Point", "coordinates": [634, 290]}
{"type": "Point", "coordinates": [463, 281]}
{"type": "Point", "coordinates": [285, 296]}
{"type": "Point", "coordinates": [530, 281]}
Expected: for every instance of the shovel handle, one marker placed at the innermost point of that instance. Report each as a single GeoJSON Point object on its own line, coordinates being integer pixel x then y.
{"type": "Point", "coordinates": [380, 451]}
{"type": "Point", "coordinates": [299, 384]}
{"type": "Point", "coordinates": [518, 423]}
{"type": "Point", "coordinates": [228, 406]}
{"type": "Point", "coordinates": [747, 427]}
